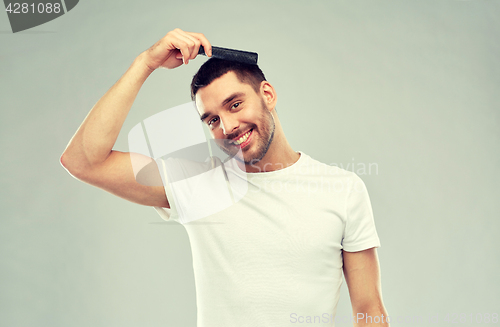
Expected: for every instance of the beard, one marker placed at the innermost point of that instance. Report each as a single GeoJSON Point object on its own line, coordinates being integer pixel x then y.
{"type": "Point", "coordinates": [263, 141]}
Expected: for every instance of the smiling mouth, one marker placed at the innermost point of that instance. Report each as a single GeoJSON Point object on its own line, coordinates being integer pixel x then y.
{"type": "Point", "coordinates": [243, 140]}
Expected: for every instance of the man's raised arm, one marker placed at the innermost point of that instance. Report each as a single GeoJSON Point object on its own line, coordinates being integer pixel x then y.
{"type": "Point", "coordinates": [89, 155]}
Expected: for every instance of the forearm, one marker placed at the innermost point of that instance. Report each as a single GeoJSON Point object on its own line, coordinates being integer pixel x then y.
{"type": "Point", "coordinates": [96, 136]}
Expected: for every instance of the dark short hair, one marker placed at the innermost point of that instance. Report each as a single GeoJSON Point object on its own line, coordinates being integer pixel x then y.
{"type": "Point", "coordinates": [214, 68]}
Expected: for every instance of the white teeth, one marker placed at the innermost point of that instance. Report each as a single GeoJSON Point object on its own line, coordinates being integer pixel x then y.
{"type": "Point", "coordinates": [242, 139]}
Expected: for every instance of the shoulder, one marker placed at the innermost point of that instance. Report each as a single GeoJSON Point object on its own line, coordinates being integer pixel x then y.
{"type": "Point", "coordinates": [333, 169]}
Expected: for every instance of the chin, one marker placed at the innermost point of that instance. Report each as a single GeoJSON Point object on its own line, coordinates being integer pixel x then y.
{"type": "Point", "coordinates": [255, 157]}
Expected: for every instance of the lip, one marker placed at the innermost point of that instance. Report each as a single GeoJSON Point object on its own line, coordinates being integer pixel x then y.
{"type": "Point", "coordinates": [244, 144]}
{"type": "Point", "coordinates": [236, 138]}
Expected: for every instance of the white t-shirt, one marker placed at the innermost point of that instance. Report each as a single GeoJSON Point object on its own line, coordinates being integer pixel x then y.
{"type": "Point", "coordinates": [275, 254]}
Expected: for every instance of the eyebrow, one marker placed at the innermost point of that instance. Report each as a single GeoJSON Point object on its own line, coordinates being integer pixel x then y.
{"type": "Point", "coordinates": [226, 101]}
{"type": "Point", "coordinates": [204, 116]}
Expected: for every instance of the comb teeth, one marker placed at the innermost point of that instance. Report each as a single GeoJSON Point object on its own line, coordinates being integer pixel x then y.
{"type": "Point", "coordinates": [233, 55]}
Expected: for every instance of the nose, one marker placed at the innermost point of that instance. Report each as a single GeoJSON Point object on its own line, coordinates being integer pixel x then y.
{"type": "Point", "coordinates": [228, 124]}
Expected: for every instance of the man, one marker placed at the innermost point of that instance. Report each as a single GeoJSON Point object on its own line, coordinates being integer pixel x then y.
{"type": "Point", "coordinates": [276, 257]}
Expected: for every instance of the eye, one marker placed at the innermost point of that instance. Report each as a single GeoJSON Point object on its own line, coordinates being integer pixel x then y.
{"type": "Point", "coordinates": [236, 105]}
{"type": "Point", "coordinates": [212, 121]}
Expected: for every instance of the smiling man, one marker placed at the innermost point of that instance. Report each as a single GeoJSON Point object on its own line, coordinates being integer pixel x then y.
{"type": "Point", "coordinates": [238, 105]}
{"type": "Point", "coordinates": [276, 256]}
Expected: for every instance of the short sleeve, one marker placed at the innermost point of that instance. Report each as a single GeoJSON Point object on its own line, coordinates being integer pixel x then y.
{"type": "Point", "coordinates": [168, 214]}
{"type": "Point", "coordinates": [196, 190]}
{"type": "Point", "coordinates": [360, 233]}
{"type": "Point", "coordinates": [165, 213]}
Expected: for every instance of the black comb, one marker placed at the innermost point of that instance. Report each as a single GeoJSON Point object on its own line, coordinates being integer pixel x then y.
{"type": "Point", "coordinates": [231, 54]}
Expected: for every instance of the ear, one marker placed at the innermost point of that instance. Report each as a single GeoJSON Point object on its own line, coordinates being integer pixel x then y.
{"type": "Point", "coordinates": [268, 93]}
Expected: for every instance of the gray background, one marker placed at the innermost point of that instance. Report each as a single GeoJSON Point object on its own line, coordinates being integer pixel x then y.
{"type": "Point", "coordinates": [410, 86]}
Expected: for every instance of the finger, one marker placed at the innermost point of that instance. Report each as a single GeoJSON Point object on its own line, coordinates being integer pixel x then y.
{"type": "Point", "coordinates": [197, 44]}
{"type": "Point", "coordinates": [188, 44]}
{"type": "Point", "coordinates": [180, 43]}
{"type": "Point", "coordinates": [183, 47]}
{"type": "Point", "coordinates": [178, 54]}
{"type": "Point", "coordinates": [199, 40]}
{"type": "Point", "coordinates": [204, 42]}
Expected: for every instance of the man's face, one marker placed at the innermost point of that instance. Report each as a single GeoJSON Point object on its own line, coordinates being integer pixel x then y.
{"type": "Point", "coordinates": [237, 117]}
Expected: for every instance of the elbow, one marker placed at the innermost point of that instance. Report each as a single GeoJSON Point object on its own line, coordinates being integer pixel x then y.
{"type": "Point", "coordinates": [70, 165]}
{"type": "Point", "coordinates": [63, 160]}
